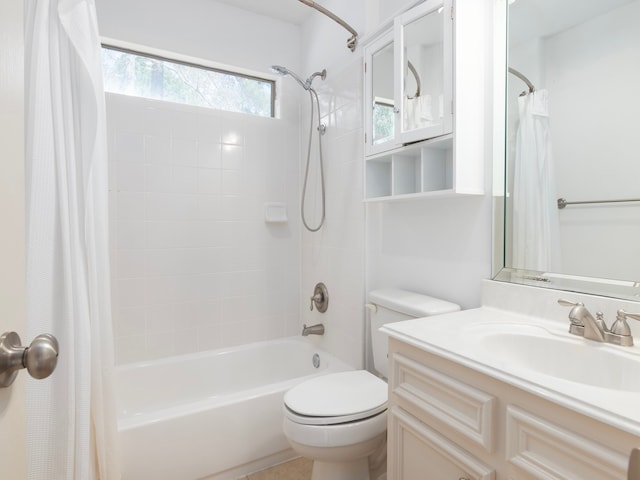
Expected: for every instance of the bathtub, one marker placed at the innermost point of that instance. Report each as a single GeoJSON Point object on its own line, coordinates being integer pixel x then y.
{"type": "Point", "coordinates": [211, 415]}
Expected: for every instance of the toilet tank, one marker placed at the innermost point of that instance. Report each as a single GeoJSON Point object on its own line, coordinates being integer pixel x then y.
{"type": "Point", "coordinates": [395, 305]}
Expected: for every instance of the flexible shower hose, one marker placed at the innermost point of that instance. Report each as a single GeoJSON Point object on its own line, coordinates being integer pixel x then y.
{"type": "Point", "coordinates": [320, 129]}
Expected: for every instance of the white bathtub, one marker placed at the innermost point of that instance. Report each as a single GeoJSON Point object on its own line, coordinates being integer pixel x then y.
{"type": "Point", "coordinates": [214, 415]}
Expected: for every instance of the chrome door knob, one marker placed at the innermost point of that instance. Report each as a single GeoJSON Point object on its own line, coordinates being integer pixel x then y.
{"type": "Point", "coordinates": [40, 358]}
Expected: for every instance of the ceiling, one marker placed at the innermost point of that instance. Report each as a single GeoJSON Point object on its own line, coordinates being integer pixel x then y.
{"type": "Point", "coordinates": [291, 11]}
{"type": "Point", "coordinates": [539, 18]}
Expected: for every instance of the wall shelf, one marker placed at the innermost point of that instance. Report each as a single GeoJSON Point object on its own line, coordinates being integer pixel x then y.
{"type": "Point", "coordinates": [423, 169]}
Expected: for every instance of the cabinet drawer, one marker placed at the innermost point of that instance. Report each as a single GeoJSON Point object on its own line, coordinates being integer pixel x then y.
{"type": "Point", "coordinates": [539, 449]}
{"type": "Point", "coordinates": [464, 409]}
{"type": "Point", "coordinates": [418, 452]}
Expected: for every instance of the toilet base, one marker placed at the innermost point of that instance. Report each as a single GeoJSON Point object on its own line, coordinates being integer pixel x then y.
{"type": "Point", "coordinates": [349, 451]}
{"type": "Point", "coordinates": [363, 461]}
{"type": "Point", "coordinates": [353, 470]}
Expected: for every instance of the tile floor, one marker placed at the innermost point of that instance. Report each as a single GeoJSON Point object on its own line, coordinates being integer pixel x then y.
{"type": "Point", "coordinates": [298, 469]}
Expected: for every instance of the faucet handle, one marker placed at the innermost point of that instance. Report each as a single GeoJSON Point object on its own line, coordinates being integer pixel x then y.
{"type": "Point", "coordinates": [320, 298]}
{"type": "Point", "coordinates": [623, 313]}
{"type": "Point", "coordinates": [568, 303]}
{"type": "Point", "coordinates": [620, 326]}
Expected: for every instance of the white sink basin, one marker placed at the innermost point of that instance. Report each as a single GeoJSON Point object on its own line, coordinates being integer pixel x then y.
{"type": "Point", "coordinates": [566, 357]}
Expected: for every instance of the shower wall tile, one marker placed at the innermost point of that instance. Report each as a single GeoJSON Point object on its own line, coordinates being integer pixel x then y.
{"type": "Point", "coordinates": [131, 321]}
{"type": "Point", "coordinates": [232, 182]}
{"type": "Point", "coordinates": [129, 234]}
{"type": "Point", "coordinates": [232, 157]}
{"type": "Point", "coordinates": [185, 152]}
{"type": "Point", "coordinates": [130, 206]}
{"type": "Point", "coordinates": [335, 255]}
{"type": "Point", "coordinates": [194, 265]}
{"type": "Point", "coordinates": [129, 177]}
{"type": "Point", "coordinates": [129, 147]}
{"type": "Point", "coordinates": [157, 150]}
{"type": "Point", "coordinates": [209, 154]}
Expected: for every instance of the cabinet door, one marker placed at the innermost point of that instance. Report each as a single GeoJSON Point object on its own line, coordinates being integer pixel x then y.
{"type": "Point", "coordinates": [423, 70]}
{"type": "Point", "coordinates": [538, 449]}
{"type": "Point", "coordinates": [417, 452]}
{"type": "Point", "coordinates": [380, 111]}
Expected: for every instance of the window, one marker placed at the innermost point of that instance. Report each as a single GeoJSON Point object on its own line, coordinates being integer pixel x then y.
{"type": "Point", "coordinates": [149, 76]}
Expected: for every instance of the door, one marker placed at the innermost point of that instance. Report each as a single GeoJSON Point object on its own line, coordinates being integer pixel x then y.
{"type": "Point", "coordinates": [12, 238]}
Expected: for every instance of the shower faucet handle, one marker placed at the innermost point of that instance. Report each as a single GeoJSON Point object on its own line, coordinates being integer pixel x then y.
{"type": "Point", "coordinates": [320, 298]}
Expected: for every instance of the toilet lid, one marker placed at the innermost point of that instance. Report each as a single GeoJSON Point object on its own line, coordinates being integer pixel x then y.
{"type": "Point", "coordinates": [336, 398]}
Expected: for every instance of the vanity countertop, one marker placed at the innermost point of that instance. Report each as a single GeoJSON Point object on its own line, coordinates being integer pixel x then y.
{"type": "Point", "coordinates": [536, 355]}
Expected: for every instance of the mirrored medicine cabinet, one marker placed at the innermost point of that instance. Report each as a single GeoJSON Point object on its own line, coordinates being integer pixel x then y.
{"type": "Point", "coordinates": [410, 143]}
{"type": "Point", "coordinates": [409, 84]}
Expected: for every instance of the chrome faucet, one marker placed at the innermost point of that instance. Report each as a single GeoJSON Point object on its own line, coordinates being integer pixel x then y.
{"type": "Point", "coordinates": [584, 325]}
{"type": "Point", "coordinates": [317, 329]}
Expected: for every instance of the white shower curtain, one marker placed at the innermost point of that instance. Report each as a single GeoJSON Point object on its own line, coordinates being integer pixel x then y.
{"type": "Point", "coordinates": [536, 236]}
{"type": "Point", "coordinates": [71, 419]}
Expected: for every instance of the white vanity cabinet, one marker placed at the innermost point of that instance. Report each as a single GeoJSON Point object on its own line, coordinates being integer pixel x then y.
{"type": "Point", "coordinates": [417, 450]}
{"type": "Point", "coordinates": [450, 422]}
{"type": "Point", "coordinates": [413, 100]}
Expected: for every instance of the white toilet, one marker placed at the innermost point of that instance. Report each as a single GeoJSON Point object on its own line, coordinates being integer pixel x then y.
{"type": "Point", "coordinates": [339, 420]}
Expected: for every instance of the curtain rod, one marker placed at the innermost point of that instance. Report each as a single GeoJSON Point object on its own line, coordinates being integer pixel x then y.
{"type": "Point", "coordinates": [523, 78]}
{"type": "Point", "coordinates": [353, 40]}
{"type": "Point", "coordinates": [562, 202]}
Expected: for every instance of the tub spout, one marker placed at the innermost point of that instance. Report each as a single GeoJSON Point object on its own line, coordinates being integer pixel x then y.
{"type": "Point", "coordinates": [317, 329]}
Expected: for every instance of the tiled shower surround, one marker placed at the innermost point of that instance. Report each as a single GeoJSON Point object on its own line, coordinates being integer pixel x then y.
{"type": "Point", "coordinates": [194, 265]}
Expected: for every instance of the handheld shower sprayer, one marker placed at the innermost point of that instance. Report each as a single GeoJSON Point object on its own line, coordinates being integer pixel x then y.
{"type": "Point", "coordinates": [279, 69]}
{"type": "Point", "coordinates": [284, 71]}
{"type": "Point", "coordinates": [321, 128]}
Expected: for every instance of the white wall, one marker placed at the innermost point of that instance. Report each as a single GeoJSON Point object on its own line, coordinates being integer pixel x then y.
{"type": "Point", "coordinates": [203, 29]}
{"type": "Point", "coordinates": [440, 247]}
{"type": "Point", "coordinates": [13, 302]}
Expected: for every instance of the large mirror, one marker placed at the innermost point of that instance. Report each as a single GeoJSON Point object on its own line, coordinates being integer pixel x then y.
{"type": "Point", "coordinates": [572, 181]}
{"type": "Point", "coordinates": [422, 79]}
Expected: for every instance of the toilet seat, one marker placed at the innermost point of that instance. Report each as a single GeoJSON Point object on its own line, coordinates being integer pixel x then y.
{"type": "Point", "coordinates": [336, 398]}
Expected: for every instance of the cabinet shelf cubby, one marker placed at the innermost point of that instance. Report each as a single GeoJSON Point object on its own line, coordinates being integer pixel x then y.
{"type": "Point", "coordinates": [418, 170]}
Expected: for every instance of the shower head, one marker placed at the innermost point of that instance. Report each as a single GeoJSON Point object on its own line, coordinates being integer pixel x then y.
{"type": "Point", "coordinates": [285, 71]}
{"type": "Point", "coordinates": [322, 75]}
{"type": "Point", "coordinates": [280, 70]}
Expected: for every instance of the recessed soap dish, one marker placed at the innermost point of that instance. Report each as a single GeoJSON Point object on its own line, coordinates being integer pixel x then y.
{"type": "Point", "coordinates": [275, 212]}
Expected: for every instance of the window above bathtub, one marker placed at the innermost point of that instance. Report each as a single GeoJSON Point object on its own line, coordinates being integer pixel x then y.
{"type": "Point", "coordinates": [157, 77]}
